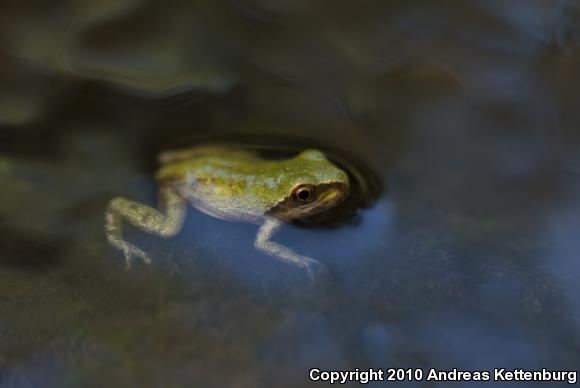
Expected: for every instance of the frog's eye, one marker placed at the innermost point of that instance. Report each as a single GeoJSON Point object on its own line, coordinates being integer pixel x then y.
{"type": "Point", "coordinates": [303, 193]}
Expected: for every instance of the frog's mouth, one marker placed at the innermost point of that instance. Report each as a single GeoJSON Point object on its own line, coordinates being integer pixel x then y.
{"type": "Point", "coordinates": [328, 196]}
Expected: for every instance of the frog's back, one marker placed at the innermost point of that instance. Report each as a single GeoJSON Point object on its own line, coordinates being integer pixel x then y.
{"type": "Point", "coordinates": [228, 184]}
{"type": "Point", "coordinates": [208, 163]}
{"type": "Point", "coordinates": [174, 156]}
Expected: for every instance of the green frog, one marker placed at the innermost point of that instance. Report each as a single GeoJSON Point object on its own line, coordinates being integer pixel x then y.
{"type": "Point", "coordinates": [235, 185]}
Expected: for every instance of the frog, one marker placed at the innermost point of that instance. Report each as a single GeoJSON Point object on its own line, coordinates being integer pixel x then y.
{"type": "Point", "coordinates": [237, 185]}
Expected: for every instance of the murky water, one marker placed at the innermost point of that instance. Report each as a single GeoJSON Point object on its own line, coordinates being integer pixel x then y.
{"type": "Point", "coordinates": [461, 117]}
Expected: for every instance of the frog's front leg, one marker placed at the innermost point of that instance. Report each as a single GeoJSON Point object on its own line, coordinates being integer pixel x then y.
{"type": "Point", "coordinates": [165, 222]}
{"type": "Point", "coordinates": [264, 244]}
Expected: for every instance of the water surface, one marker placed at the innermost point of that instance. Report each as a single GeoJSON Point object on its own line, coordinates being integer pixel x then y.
{"type": "Point", "coordinates": [467, 258]}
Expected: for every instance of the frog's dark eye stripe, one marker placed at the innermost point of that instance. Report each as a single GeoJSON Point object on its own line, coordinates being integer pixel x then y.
{"type": "Point", "coordinates": [303, 193]}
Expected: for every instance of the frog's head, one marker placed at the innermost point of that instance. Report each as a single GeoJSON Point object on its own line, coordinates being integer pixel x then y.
{"type": "Point", "coordinates": [312, 184]}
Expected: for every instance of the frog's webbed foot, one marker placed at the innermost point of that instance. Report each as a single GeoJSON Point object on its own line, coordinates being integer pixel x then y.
{"type": "Point", "coordinates": [131, 252]}
{"type": "Point", "coordinates": [312, 267]}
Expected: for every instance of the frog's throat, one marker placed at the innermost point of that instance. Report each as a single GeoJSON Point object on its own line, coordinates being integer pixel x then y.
{"type": "Point", "coordinates": [331, 195]}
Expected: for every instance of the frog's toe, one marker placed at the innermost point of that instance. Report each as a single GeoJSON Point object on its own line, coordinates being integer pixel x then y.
{"type": "Point", "coordinates": [134, 252]}
{"type": "Point", "coordinates": [316, 270]}
{"type": "Point", "coordinates": [128, 260]}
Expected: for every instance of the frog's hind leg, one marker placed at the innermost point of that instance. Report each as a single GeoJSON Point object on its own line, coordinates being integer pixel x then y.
{"type": "Point", "coordinates": [165, 222]}
{"type": "Point", "coordinates": [264, 244]}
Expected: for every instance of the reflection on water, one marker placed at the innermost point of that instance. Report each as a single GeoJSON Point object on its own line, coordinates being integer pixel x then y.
{"type": "Point", "coordinates": [466, 111]}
